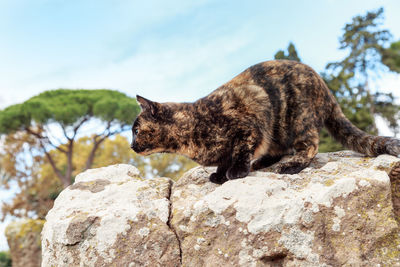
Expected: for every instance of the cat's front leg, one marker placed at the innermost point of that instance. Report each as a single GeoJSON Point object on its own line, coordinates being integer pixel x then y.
{"type": "Point", "coordinates": [242, 152]}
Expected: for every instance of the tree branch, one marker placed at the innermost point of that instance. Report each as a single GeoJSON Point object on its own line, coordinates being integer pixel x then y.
{"type": "Point", "coordinates": [54, 167]}
{"type": "Point", "coordinates": [96, 143]}
{"type": "Point", "coordinates": [65, 133]}
{"type": "Point", "coordinates": [68, 174]}
{"type": "Point", "coordinates": [76, 128]}
{"type": "Point", "coordinates": [45, 138]}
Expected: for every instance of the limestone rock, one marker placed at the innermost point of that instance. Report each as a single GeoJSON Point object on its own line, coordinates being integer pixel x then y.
{"type": "Point", "coordinates": [111, 217]}
{"type": "Point", "coordinates": [338, 212]}
{"type": "Point", "coordinates": [23, 238]}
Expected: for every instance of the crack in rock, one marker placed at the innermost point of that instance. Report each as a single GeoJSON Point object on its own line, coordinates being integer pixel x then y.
{"type": "Point", "coordinates": [171, 227]}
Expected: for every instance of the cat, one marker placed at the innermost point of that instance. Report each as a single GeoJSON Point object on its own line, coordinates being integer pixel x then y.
{"type": "Point", "coordinates": [272, 109]}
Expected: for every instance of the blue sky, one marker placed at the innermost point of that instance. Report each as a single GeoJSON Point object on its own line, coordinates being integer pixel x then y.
{"type": "Point", "coordinates": [165, 50]}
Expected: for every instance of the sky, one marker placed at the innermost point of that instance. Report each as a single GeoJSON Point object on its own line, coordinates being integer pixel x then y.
{"type": "Point", "coordinates": [172, 50]}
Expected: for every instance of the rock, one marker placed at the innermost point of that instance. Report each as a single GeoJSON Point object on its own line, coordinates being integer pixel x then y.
{"type": "Point", "coordinates": [337, 212]}
{"type": "Point", "coordinates": [23, 238]}
{"type": "Point", "coordinates": [111, 217]}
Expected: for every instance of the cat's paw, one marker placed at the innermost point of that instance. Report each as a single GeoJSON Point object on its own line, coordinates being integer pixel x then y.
{"type": "Point", "coordinates": [288, 168]}
{"type": "Point", "coordinates": [237, 171]}
{"type": "Point", "coordinates": [218, 178]}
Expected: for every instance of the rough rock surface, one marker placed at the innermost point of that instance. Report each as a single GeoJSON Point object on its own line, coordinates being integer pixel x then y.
{"type": "Point", "coordinates": [111, 217]}
{"type": "Point", "coordinates": [23, 238]}
{"type": "Point", "coordinates": [337, 212]}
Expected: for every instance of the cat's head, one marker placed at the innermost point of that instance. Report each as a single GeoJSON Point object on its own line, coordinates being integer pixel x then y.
{"type": "Point", "coordinates": [151, 131]}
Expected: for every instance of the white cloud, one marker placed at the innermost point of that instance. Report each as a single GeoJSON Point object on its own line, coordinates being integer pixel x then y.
{"type": "Point", "coordinates": [173, 73]}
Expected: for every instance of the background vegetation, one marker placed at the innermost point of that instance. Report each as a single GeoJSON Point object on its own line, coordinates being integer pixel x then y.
{"type": "Point", "coordinates": [5, 259]}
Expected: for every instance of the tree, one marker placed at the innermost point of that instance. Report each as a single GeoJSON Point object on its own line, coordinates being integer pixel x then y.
{"type": "Point", "coordinates": [117, 150]}
{"type": "Point", "coordinates": [55, 117]}
{"type": "Point", "coordinates": [350, 78]}
{"type": "Point", "coordinates": [291, 53]}
{"type": "Point", "coordinates": [391, 56]}
{"type": "Point", "coordinates": [169, 165]}
{"type": "Point", "coordinates": [39, 187]}
{"type": "Point", "coordinates": [5, 259]}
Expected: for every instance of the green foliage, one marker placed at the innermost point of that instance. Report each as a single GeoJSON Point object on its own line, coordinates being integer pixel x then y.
{"type": "Point", "coordinates": [291, 53]}
{"type": "Point", "coordinates": [69, 110]}
{"type": "Point", "coordinates": [5, 259]}
{"type": "Point", "coordinates": [391, 57]}
{"type": "Point", "coordinates": [327, 143]}
{"type": "Point", "coordinates": [364, 40]}
{"type": "Point", "coordinates": [67, 107]}
{"type": "Point", "coordinates": [349, 79]}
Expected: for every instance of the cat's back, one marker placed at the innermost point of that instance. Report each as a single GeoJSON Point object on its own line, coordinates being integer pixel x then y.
{"type": "Point", "coordinates": [278, 73]}
{"type": "Point", "coordinates": [279, 81]}
{"type": "Point", "coordinates": [284, 91]}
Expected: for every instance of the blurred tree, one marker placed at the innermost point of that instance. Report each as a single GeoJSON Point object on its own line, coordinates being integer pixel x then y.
{"type": "Point", "coordinates": [349, 79]}
{"type": "Point", "coordinates": [63, 112]}
{"type": "Point", "coordinates": [39, 186]}
{"type": "Point", "coordinates": [391, 56]}
{"type": "Point", "coordinates": [5, 259]}
{"type": "Point", "coordinates": [291, 53]}
{"type": "Point", "coordinates": [169, 165]}
{"type": "Point", "coordinates": [117, 150]}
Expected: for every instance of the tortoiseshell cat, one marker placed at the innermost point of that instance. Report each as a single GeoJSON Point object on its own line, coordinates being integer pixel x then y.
{"type": "Point", "coordinates": [270, 110]}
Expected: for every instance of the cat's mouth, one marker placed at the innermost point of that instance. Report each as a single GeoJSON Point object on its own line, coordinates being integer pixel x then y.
{"type": "Point", "coordinates": [148, 151]}
{"type": "Point", "coordinates": [145, 152]}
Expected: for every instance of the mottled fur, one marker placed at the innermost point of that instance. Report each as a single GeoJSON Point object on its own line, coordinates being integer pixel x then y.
{"type": "Point", "coordinates": [270, 110]}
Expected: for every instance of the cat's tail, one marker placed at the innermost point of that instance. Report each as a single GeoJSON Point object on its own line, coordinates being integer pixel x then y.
{"type": "Point", "coordinates": [352, 137]}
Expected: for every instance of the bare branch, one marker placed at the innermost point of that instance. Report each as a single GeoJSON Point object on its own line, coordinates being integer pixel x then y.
{"type": "Point", "coordinates": [76, 128]}
{"type": "Point", "coordinates": [65, 133]}
{"type": "Point", "coordinates": [96, 144]}
{"type": "Point", "coordinates": [45, 138]}
{"type": "Point", "coordinates": [54, 167]}
{"type": "Point", "coordinates": [50, 136]}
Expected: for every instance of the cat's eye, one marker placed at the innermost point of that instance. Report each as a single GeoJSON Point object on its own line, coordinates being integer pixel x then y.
{"type": "Point", "coordinates": [136, 131]}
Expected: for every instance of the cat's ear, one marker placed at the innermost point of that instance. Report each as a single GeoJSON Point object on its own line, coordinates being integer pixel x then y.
{"type": "Point", "coordinates": [147, 105]}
